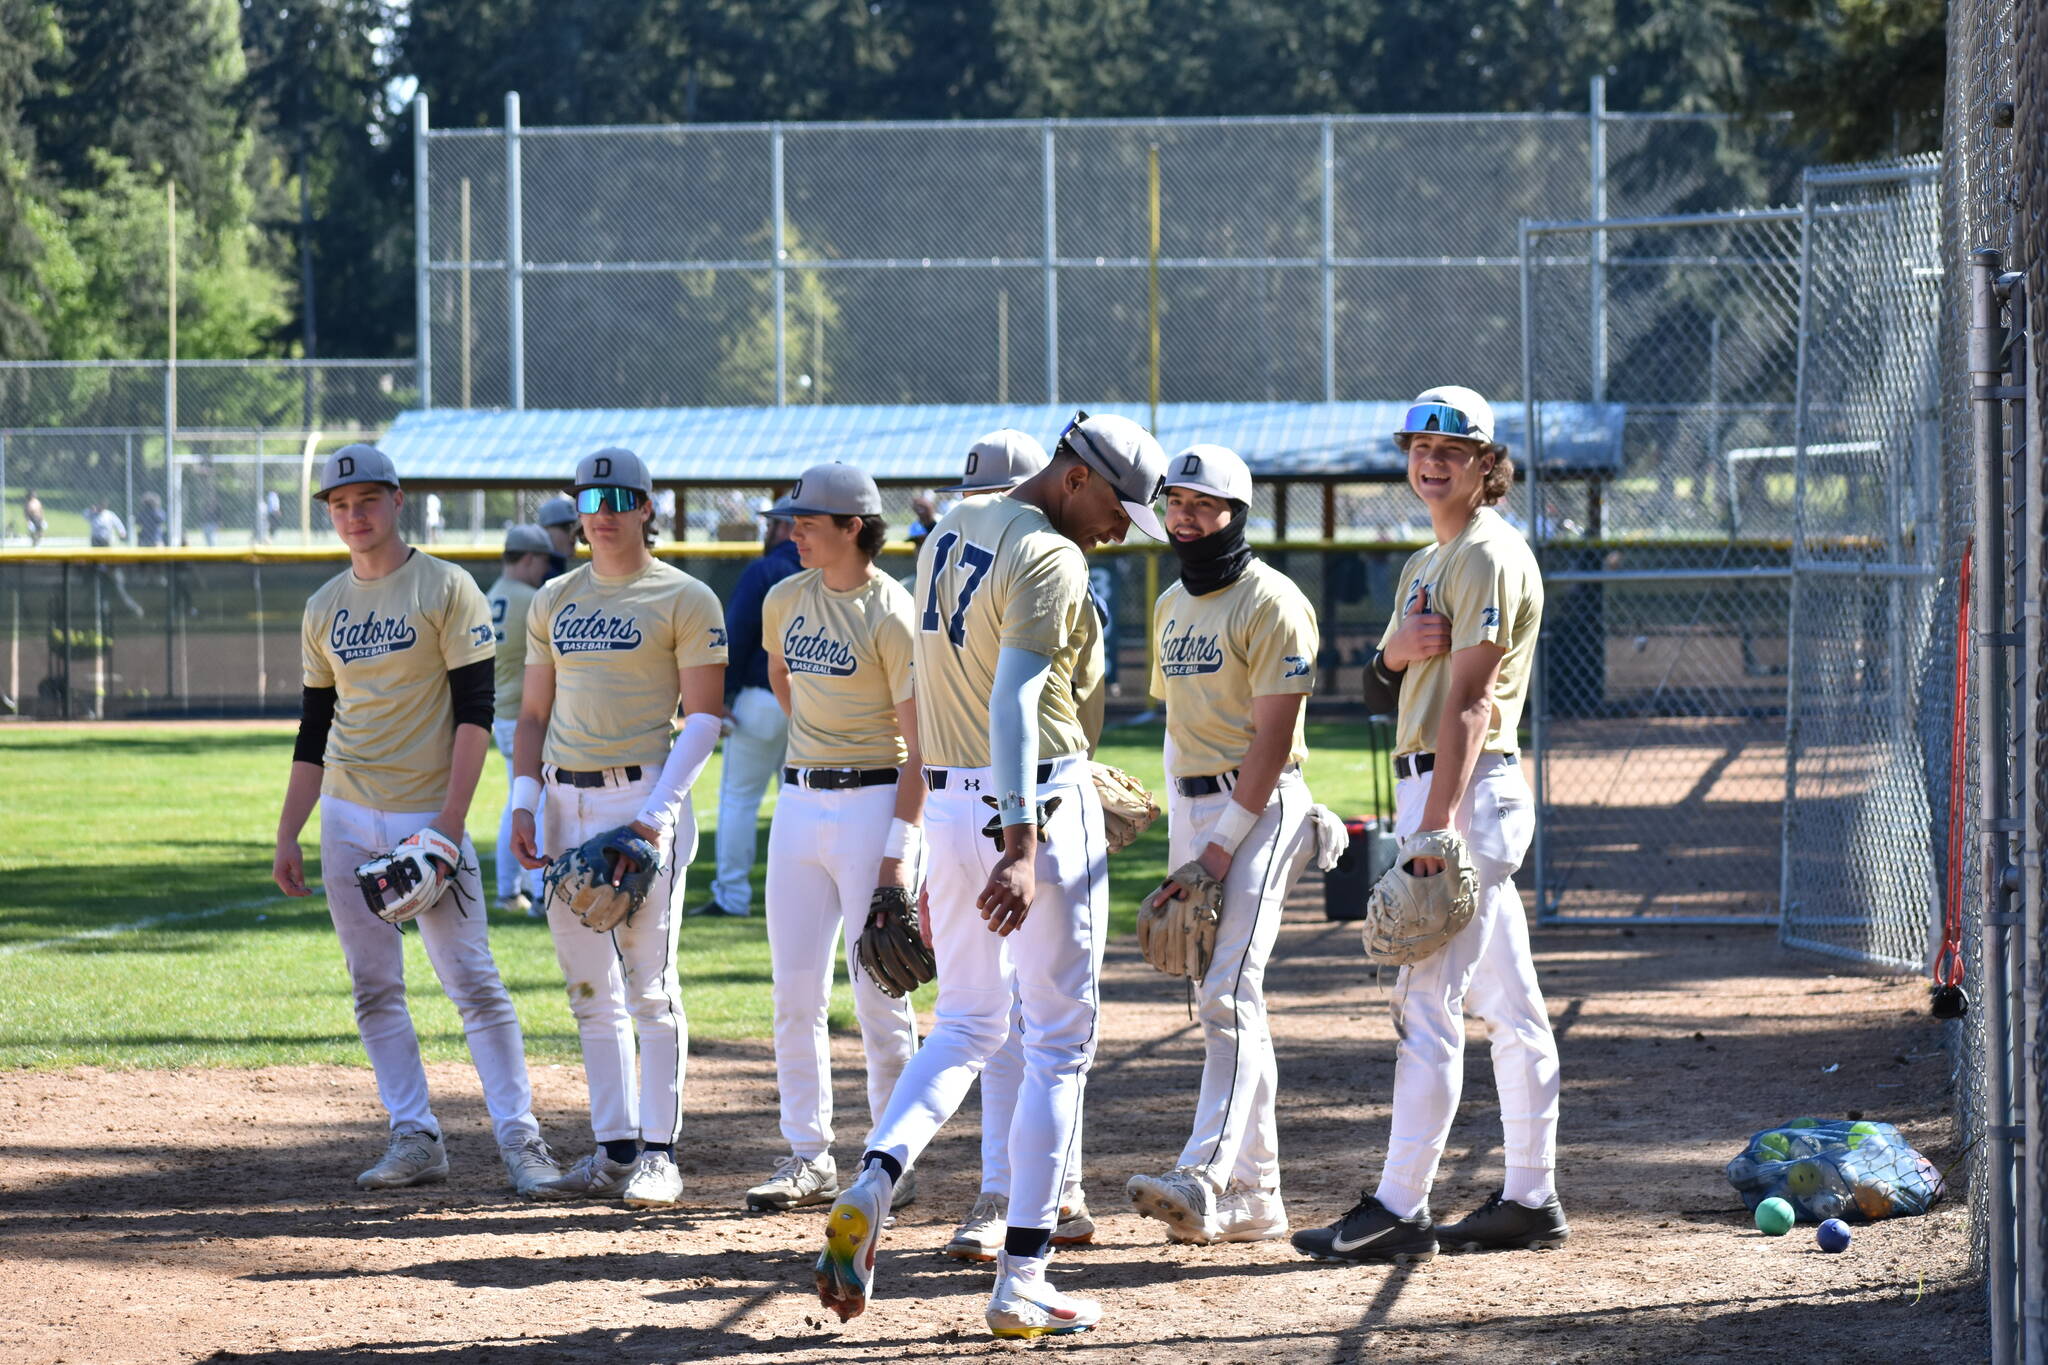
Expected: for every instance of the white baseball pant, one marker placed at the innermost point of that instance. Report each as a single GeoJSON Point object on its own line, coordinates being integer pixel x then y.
{"type": "Point", "coordinates": [458, 945]}
{"type": "Point", "coordinates": [624, 982]}
{"type": "Point", "coordinates": [1488, 967]}
{"type": "Point", "coordinates": [1236, 1132]}
{"type": "Point", "coordinates": [823, 852]}
{"type": "Point", "coordinates": [512, 878]}
{"type": "Point", "coordinates": [1000, 1079]}
{"type": "Point", "coordinates": [753, 760]}
{"type": "Point", "coordinates": [1048, 970]}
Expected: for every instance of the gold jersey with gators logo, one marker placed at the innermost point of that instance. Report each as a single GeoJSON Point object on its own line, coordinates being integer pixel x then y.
{"type": "Point", "coordinates": [509, 598]}
{"type": "Point", "coordinates": [1485, 582]}
{"type": "Point", "coordinates": [617, 645]}
{"type": "Point", "coordinates": [992, 573]}
{"type": "Point", "coordinates": [1219, 650]}
{"type": "Point", "coordinates": [848, 655]}
{"type": "Point", "coordinates": [386, 647]}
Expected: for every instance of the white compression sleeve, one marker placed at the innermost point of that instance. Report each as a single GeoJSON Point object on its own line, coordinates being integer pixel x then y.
{"type": "Point", "coordinates": [686, 758]}
{"type": "Point", "coordinates": [1013, 732]}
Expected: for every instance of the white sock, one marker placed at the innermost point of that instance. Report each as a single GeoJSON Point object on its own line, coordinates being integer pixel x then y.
{"type": "Point", "coordinates": [1025, 1267]}
{"type": "Point", "coordinates": [1403, 1201]}
{"type": "Point", "coordinates": [1530, 1186]}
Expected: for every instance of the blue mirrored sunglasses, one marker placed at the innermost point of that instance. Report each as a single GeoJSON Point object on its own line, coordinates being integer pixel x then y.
{"type": "Point", "coordinates": [608, 499]}
{"type": "Point", "coordinates": [1436, 417]}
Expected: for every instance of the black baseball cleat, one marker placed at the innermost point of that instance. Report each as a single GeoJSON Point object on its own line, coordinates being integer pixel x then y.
{"type": "Point", "coordinates": [1500, 1224]}
{"type": "Point", "coordinates": [1370, 1232]}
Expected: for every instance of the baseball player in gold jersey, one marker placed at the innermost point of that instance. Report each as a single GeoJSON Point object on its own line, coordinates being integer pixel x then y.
{"type": "Point", "coordinates": [838, 638]}
{"type": "Point", "coordinates": [528, 553]}
{"type": "Point", "coordinates": [1018, 914]}
{"type": "Point", "coordinates": [612, 647]}
{"type": "Point", "coordinates": [1457, 655]}
{"type": "Point", "coordinates": [996, 463]}
{"type": "Point", "coordinates": [395, 721]}
{"type": "Point", "coordinates": [1235, 665]}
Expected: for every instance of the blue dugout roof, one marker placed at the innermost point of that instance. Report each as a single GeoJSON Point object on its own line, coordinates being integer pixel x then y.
{"type": "Point", "coordinates": [927, 444]}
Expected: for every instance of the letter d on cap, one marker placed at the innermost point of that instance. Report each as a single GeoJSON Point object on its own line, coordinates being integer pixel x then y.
{"type": "Point", "coordinates": [604, 467]}
{"type": "Point", "coordinates": [346, 466]}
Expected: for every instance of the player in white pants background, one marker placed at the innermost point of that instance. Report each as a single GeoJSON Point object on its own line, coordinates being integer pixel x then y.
{"type": "Point", "coordinates": [1458, 655]}
{"type": "Point", "coordinates": [838, 636]}
{"type": "Point", "coordinates": [392, 734]}
{"type": "Point", "coordinates": [527, 557]}
{"type": "Point", "coordinates": [613, 646]}
{"type": "Point", "coordinates": [996, 463]}
{"type": "Point", "coordinates": [1235, 666]}
{"type": "Point", "coordinates": [1002, 589]}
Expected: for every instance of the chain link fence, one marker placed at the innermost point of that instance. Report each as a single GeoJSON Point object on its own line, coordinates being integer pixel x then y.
{"type": "Point", "coordinates": [1659, 720]}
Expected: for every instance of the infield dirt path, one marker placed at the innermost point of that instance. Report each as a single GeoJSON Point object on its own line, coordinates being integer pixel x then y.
{"type": "Point", "coordinates": [211, 1215]}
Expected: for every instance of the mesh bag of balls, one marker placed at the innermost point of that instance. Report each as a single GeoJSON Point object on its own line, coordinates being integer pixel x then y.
{"type": "Point", "coordinates": [1853, 1171]}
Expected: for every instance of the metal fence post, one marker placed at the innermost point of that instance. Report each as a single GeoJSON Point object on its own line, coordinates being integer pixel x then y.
{"type": "Point", "coordinates": [3, 490]}
{"type": "Point", "coordinates": [1052, 277]}
{"type": "Point", "coordinates": [2033, 1255]}
{"type": "Point", "coordinates": [1597, 140]}
{"type": "Point", "coordinates": [1538, 696]}
{"type": "Point", "coordinates": [776, 253]}
{"type": "Point", "coordinates": [1802, 358]}
{"type": "Point", "coordinates": [1329, 260]}
{"type": "Point", "coordinates": [1987, 342]}
{"type": "Point", "coordinates": [515, 264]}
{"type": "Point", "coordinates": [175, 484]}
{"type": "Point", "coordinates": [128, 479]}
{"type": "Point", "coordinates": [422, 251]}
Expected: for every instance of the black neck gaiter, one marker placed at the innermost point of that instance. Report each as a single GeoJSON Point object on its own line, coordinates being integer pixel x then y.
{"type": "Point", "coordinates": [1216, 560]}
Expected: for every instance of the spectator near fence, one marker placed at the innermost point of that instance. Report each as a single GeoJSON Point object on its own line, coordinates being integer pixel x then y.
{"type": "Point", "coordinates": [149, 520]}
{"type": "Point", "coordinates": [32, 512]}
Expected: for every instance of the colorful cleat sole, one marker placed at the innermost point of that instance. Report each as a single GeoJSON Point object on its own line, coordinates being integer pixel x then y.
{"type": "Point", "coordinates": [845, 1272]}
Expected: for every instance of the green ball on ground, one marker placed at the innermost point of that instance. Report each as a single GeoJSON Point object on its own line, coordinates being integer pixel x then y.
{"type": "Point", "coordinates": [1774, 1217]}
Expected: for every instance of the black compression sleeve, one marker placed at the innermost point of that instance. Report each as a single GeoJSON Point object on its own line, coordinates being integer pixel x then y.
{"type": "Point", "coordinates": [1382, 687]}
{"type": "Point", "coordinates": [473, 691]}
{"type": "Point", "coordinates": [316, 718]}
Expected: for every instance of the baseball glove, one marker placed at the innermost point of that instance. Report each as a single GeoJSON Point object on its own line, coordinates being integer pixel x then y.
{"type": "Point", "coordinates": [1407, 918]}
{"type": "Point", "coordinates": [890, 948]}
{"type": "Point", "coordinates": [1331, 836]}
{"type": "Point", "coordinates": [1128, 810]}
{"type": "Point", "coordinates": [411, 877]}
{"type": "Point", "coordinates": [604, 879]}
{"type": "Point", "coordinates": [1179, 936]}
{"type": "Point", "coordinates": [994, 828]}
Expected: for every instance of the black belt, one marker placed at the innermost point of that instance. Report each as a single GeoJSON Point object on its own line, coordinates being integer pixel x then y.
{"type": "Point", "coordinates": [838, 779]}
{"type": "Point", "coordinates": [1206, 786]}
{"type": "Point", "coordinates": [1415, 765]}
{"type": "Point", "coordinates": [935, 778]}
{"type": "Point", "coordinates": [631, 773]}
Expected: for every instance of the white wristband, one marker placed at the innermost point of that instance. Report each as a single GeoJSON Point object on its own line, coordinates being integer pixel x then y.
{"type": "Point", "coordinates": [902, 838]}
{"type": "Point", "coordinates": [1231, 826]}
{"type": "Point", "coordinates": [525, 794]}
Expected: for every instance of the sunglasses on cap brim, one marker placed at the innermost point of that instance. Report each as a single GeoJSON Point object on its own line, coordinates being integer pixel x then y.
{"type": "Point", "coordinates": [1438, 417]}
{"type": "Point", "coordinates": [1076, 442]}
{"type": "Point", "coordinates": [608, 499]}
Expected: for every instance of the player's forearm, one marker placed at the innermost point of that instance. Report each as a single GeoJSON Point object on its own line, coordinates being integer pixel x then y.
{"type": "Point", "coordinates": [1013, 734]}
{"type": "Point", "coordinates": [301, 794]}
{"type": "Point", "coordinates": [1460, 730]}
{"type": "Point", "coordinates": [465, 766]}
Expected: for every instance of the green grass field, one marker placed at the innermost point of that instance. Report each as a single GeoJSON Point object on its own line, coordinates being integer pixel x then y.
{"type": "Point", "coordinates": [139, 926]}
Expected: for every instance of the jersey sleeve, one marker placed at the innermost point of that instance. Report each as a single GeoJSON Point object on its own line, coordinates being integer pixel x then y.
{"type": "Point", "coordinates": [317, 668]}
{"type": "Point", "coordinates": [466, 633]}
{"type": "Point", "coordinates": [1158, 687]}
{"type": "Point", "coordinates": [1280, 656]}
{"type": "Point", "coordinates": [699, 627]}
{"type": "Point", "coordinates": [1048, 592]}
{"type": "Point", "coordinates": [774, 618]}
{"type": "Point", "coordinates": [892, 647]}
{"type": "Point", "coordinates": [1482, 594]}
{"type": "Point", "coordinates": [538, 650]}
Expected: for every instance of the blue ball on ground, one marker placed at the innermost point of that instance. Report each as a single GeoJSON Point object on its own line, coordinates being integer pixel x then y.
{"type": "Point", "coordinates": [1833, 1235]}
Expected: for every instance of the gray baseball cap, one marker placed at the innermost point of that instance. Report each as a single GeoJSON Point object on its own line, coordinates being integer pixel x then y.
{"type": "Point", "coordinates": [357, 463]}
{"type": "Point", "coordinates": [1001, 459]}
{"type": "Point", "coordinates": [527, 540]}
{"type": "Point", "coordinates": [559, 510]}
{"type": "Point", "coordinates": [614, 467]}
{"type": "Point", "coordinates": [1215, 470]}
{"type": "Point", "coordinates": [1124, 453]}
{"type": "Point", "coordinates": [835, 490]}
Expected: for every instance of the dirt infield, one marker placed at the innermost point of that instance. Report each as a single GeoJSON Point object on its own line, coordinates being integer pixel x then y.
{"type": "Point", "coordinates": [178, 1216]}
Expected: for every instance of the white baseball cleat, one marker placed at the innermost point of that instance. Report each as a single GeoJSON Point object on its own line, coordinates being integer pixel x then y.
{"type": "Point", "coordinates": [597, 1176]}
{"type": "Point", "coordinates": [655, 1182]}
{"type": "Point", "coordinates": [1076, 1224]}
{"type": "Point", "coordinates": [529, 1163]}
{"type": "Point", "coordinates": [845, 1272]}
{"type": "Point", "coordinates": [796, 1183]}
{"type": "Point", "coordinates": [412, 1157]}
{"type": "Point", "coordinates": [1245, 1214]}
{"type": "Point", "coordinates": [1026, 1305]}
{"type": "Point", "coordinates": [1184, 1199]}
{"type": "Point", "coordinates": [518, 903]}
{"type": "Point", "coordinates": [981, 1236]}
